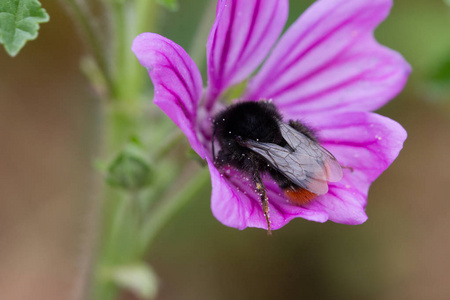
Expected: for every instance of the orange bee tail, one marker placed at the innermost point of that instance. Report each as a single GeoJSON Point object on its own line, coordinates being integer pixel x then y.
{"type": "Point", "coordinates": [299, 196]}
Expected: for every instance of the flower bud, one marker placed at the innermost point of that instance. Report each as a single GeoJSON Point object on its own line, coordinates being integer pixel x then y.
{"type": "Point", "coordinates": [129, 170]}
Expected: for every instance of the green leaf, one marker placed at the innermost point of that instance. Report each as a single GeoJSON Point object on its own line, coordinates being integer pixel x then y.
{"type": "Point", "coordinates": [19, 22]}
{"type": "Point", "coordinates": [169, 4]}
{"type": "Point", "coordinates": [138, 278]}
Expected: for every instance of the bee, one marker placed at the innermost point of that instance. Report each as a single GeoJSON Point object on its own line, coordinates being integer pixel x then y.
{"type": "Point", "coordinates": [254, 139]}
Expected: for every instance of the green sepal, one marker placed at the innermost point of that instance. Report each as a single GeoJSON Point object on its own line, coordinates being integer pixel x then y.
{"type": "Point", "coordinates": [19, 23]}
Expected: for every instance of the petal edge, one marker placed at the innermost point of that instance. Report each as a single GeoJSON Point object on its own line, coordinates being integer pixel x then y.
{"type": "Point", "coordinates": [177, 82]}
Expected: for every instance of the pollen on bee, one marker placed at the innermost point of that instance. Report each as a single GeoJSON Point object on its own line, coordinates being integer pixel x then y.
{"type": "Point", "coordinates": [299, 196]}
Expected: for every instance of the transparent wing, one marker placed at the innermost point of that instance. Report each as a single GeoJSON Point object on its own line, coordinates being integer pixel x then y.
{"type": "Point", "coordinates": [300, 142]}
{"type": "Point", "coordinates": [309, 166]}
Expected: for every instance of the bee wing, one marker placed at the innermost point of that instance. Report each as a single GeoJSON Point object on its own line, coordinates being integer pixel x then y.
{"type": "Point", "coordinates": [300, 142]}
{"type": "Point", "coordinates": [309, 166]}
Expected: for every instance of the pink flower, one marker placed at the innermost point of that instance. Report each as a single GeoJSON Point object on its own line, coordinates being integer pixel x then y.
{"type": "Point", "coordinates": [326, 70]}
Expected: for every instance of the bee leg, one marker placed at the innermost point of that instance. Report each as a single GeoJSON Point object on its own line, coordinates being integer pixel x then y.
{"type": "Point", "coordinates": [260, 188]}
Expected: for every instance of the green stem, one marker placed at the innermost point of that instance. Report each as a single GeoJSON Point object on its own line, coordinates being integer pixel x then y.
{"type": "Point", "coordinates": [119, 225]}
{"type": "Point", "coordinates": [120, 49]}
{"type": "Point", "coordinates": [82, 15]}
{"type": "Point", "coordinates": [87, 261]}
{"type": "Point", "coordinates": [146, 15]}
{"type": "Point", "coordinates": [130, 75]}
{"type": "Point", "coordinates": [117, 221]}
{"type": "Point", "coordinates": [169, 208]}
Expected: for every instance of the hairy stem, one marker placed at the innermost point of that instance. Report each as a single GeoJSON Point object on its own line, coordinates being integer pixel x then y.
{"type": "Point", "coordinates": [131, 19]}
{"type": "Point", "coordinates": [82, 15]}
{"type": "Point", "coordinates": [120, 50]}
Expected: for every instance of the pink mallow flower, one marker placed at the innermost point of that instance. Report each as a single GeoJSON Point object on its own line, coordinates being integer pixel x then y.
{"type": "Point", "coordinates": [326, 70]}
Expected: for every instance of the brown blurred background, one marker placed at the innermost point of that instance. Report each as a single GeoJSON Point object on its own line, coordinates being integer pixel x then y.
{"type": "Point", "coordinates": [48, 132]}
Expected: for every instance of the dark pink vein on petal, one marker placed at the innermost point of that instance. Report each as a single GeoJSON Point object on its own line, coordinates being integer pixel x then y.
{"type": "Point", "coordinates": [365, 145]}
{"type": "Point", "coordinates": [315, 72]}
{"type": "Point", "coordinates": [180, 78]}
{"type": "Point", "coordinates": [187, 68]}
{"type": "Point", "coordinates": [242, 188]}
{"type": "Point", "coordinates": [178, 100]}
{"type": "Point", "coordinates": [210, 57]}
{"type": "Point", "coordinates": [226, 46]}
{"type": "Point", "coordinates": [309, 98]}
{"type": "Point", "coordinates": [261, 36]}
{"type": "Point", "coordinates": [339, 105]}
{"type": "Point", "coordinates": [249, 34]}
{"type": "Point", "coordinates": [278, 210]}
{"type": "Point", "coordinates": [305, 34]}
{"type": "Point", "coordinates": [322, 39]}
{"type": "Point", "coordinates": [328, 90]}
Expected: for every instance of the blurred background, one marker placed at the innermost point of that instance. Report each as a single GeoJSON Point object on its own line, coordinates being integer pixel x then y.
{"type": "Point", "coordinates": [49, 125]}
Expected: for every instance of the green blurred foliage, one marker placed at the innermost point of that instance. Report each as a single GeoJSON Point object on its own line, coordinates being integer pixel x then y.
{"type": "Point", "coordinates": [441, 74]}
{"type": "Point", "coordinates": [169, 4]}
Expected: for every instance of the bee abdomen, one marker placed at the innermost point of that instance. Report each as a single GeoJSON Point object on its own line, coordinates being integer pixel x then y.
{"type": "Point", "coordinates": [299, 196]}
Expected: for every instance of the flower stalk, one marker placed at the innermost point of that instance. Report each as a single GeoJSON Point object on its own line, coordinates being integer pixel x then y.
{"type": "Point", "coordinates": [85, 20]}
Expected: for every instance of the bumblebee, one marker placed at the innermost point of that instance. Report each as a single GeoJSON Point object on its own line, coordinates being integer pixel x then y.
{"type": "Point", "coordinates": [254, 139]}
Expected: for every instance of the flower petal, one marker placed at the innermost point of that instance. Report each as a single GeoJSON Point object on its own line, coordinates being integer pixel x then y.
{"type": "Point", "coordinates": [329, 59]}
{"type": "Point", "coordinates": [235, 203]}
{"type": "Point", "coordinates": [177, 81]}
{"type": "Point", "coordinates": [365, 144]}
{"type": "Point", "coordinates": [241, 37]}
